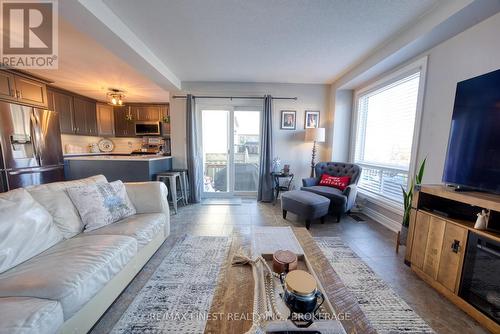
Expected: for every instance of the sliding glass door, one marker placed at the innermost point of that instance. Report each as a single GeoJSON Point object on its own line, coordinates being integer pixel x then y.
{"type": "Point", "coordinates": [231, 150]}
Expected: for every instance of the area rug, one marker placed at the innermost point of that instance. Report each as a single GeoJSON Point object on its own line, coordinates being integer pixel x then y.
{"type": "Point", "coordinates": [387, 312]}
{"type": "Point", "coordinates": [179, 293]}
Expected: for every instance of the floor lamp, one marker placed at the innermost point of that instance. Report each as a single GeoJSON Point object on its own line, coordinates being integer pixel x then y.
{"type": "Point", "coordinates": [315, 135]}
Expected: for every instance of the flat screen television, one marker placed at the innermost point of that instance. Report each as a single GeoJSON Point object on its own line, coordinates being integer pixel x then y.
{"type": "Point", "coordinates": [473, 157]}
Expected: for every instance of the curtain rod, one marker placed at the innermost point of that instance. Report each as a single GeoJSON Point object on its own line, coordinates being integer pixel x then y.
{"type": "Point", "coordinates": [235, 97]}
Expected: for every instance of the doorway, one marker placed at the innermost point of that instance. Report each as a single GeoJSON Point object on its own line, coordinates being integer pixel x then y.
{"type": "Point", "coordinates": [231, 150]}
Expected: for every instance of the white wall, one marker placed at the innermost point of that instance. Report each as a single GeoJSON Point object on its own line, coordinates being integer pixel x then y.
{"type": "Point", "coordinates": [288, 145]}
{"type": "Point", "coordinates": [473, 52]}
{"type": "Point", "coordinates": [342, 112]}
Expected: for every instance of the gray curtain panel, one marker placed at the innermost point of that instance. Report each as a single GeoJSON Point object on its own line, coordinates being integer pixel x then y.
{"type": "Point", "coordinates": [194, 161]}
{"type": "Point", "coordinates": [265, 192]}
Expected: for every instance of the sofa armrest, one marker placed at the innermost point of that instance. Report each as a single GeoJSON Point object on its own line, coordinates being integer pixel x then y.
{"type": "Point", "coordinates": [351, 191]}
{"type": "Point", "coordinates": [148, 197]}
{"type": "Point", "coordinates": [310, 181]}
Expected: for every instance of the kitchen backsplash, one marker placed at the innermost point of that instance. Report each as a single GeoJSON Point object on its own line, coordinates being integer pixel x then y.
{"type": "Point", "coordinates": [71, 143]}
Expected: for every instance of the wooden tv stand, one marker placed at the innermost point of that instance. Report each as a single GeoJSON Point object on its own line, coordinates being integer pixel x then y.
{"type": "Point", "coordinates": [440, 218]}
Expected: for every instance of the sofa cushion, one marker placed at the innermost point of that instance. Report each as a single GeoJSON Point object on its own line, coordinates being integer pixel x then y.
{"type": "Point", "coordinates": [26, 228]}
{"type": "Point", "coordinates": [24, 315]}
{"type": "Point", "coordinates": [54, 198]}
{"type": "Point", "coordinates": [99, 205]}
{"type": "Point", "coordinates": [337, 197]}
{"type": "Point", "coordinates": [71, 272]}
{"type": "Point", "coordinates": [143, 227]}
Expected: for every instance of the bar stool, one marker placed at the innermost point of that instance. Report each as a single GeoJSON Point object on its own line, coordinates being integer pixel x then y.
{"type": "Point", "coordinates": [185, 181]}
{"type": "Point", "coordinates": [170, 179]}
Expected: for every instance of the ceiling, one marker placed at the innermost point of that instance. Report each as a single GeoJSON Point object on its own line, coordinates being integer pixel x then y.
{"type": "Point", "coordinates": [288, 41]}
{"type": "Point", "coordinates": [88, 68]}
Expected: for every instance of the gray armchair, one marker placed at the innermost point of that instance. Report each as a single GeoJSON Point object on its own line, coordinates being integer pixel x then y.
{"type": "Point", "coordinates": [340, 201]}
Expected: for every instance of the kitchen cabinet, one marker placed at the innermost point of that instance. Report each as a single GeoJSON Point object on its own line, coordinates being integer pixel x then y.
{"type": "Point", "coordinates": [124, 122]}
{"type": "Point", "coordinates": [105, 120]}
{"type": "Point", "coordinates": [79, 110]}
{"type": "Point", "coordinates": [85, 119]}
{"type": "Point", "coordinates": [7, 86]}
{"type": "Point", "coordinates": [77, 114]}
{"type": "Point", "coordinates": [31, 91]}
{"type": "Point", "coordinates": [63, 104]}
{"type": "Point", "coordinates": [23, 89]}
{"type": "Point", "coordinates": [421, 231]}
{"type": "Point", "coordinates": [152, 113]}
{"type": "Point", "coordinates": [452, 256]}
{"type": "Point", "coordinates": [50, 100]}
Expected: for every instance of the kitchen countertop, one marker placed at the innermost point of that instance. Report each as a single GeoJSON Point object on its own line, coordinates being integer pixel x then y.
{"type": "Point", "coordinates": [91, 153]}
{"type": "Point", "coordinates": [118, 157]}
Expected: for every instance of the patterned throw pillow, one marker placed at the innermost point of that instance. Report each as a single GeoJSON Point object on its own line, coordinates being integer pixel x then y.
{"type": "Point", "coordinates": [101, 204]}
{"type": "Point", "coordinates": [339, 182]}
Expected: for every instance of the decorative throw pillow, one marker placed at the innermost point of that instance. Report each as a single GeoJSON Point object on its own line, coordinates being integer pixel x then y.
{"type": "Point", "coordinates": [54, 198]}
{"type": "Point", "coordinates": [26, 228]}
{"type": "Point", "coordinates": [339, 182]}
{"type": "Point", "coordinates": [101, 204]}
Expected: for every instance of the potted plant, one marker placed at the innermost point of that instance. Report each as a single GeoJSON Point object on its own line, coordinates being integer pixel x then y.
{"type": "Point", "coordinates": [407, 199]}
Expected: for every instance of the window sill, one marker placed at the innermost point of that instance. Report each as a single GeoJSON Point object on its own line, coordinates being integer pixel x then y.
{"type": "Point", "coordinates": [381, 201]}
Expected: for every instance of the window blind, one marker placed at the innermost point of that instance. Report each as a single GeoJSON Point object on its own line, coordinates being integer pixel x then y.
{"type": "Point", "coordinates": [384, 135]}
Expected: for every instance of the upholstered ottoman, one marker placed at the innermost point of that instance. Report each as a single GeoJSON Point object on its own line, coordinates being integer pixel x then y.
{"type": "Point", "coordinates": [305, 204]}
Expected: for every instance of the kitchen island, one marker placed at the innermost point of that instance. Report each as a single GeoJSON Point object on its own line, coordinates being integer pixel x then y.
{"type": "Point", "coordinates": [128, 168]}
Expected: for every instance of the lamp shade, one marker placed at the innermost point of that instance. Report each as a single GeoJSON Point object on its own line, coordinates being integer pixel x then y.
{"type": "Point", "coordinates": [315, 134]}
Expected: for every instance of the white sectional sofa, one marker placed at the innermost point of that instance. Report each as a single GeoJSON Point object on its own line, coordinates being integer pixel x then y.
{"type": "Point", "coordinates": [67, 287]}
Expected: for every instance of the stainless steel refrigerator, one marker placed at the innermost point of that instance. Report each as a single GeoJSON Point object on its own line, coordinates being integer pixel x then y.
{"type": "Point", "coordinates": [30, 147]}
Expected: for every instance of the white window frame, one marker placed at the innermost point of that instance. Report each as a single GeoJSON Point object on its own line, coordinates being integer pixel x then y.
{"type": "Point", "coordinates": [384, 80]}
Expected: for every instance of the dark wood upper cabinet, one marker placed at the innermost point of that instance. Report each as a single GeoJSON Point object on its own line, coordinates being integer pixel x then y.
{"type": "Point", "coordinates": [91, 119]}
{"type": "Point", "coordinates": [124, 122]}
{"type": "Point", "coordinates": [105, 120]}
{"type": "Point", "coordinates": [21, 88]}
{"type": "Point", "coordinates": [50, 100]}
{"type": "Point", "coordinates": [31, 91]}
{"type": "Point", "coordinates": [7, 86]}
{"type": "Point", "coordinates": [63, 104]}
{"type": "Point", "coordinates": [152, 113]}
{"type": "Point", "coordinates": [85, 119]}
{"type": "Point", "coordinates": [79, 112]}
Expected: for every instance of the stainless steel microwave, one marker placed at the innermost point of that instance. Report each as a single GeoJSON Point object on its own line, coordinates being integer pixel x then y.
{"type": "Point", "coordinates": [147, 128]}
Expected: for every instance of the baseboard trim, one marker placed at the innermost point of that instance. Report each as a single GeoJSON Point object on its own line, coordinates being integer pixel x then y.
{"type": "Point", "coordinates": [391, 224]}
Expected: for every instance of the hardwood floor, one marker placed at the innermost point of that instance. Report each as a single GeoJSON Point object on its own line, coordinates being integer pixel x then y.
{"type": "Point", "coordinates": [371, 241]}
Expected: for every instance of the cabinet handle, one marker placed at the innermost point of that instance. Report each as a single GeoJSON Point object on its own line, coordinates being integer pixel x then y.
{"type": "Point", "coordinates": [20, 95]}
{"type": "Point", "coordinates": [455, 246]}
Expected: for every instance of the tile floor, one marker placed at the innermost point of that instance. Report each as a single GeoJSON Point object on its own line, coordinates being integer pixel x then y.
{"type": "Point", "coordinates": [371, 241]}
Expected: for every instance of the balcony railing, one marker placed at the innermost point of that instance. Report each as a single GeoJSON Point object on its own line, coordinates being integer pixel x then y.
{"type": "Point", "coordinates": [383, 181]}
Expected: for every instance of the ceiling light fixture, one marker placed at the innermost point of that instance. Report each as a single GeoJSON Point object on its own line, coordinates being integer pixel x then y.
{"type": "Point", "coordinates": [115, 96]}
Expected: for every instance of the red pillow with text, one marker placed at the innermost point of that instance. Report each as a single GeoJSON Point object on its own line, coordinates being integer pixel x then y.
{"type": "Point", "coordinates": [339, 182]}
